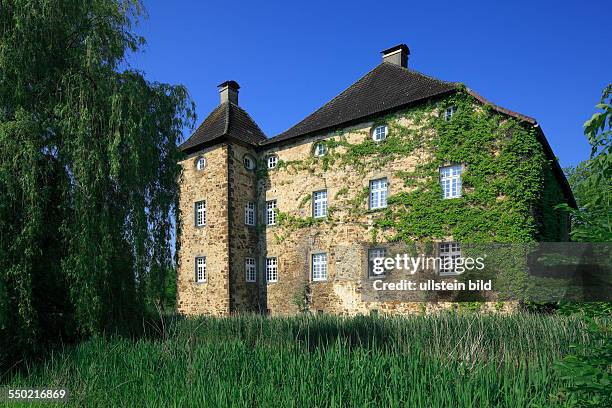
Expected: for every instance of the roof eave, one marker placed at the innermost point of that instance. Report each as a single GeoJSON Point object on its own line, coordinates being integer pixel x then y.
{"type": "Point", "coordinates": [557, 170]}
{"type": "Point", "coordinates": [225, 138]}
{"type": "Point", "coordinates": [272, 142]}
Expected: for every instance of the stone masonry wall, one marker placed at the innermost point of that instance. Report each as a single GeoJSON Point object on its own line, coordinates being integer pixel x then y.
{"type": "Point", "coordinates": [346, 242]}
{"type": "Point", "coordinates": [244, 239]}
{"type": "Point", "coordinates": [345, 236]}
{"type": "Point", "coordinates": [212, 240]}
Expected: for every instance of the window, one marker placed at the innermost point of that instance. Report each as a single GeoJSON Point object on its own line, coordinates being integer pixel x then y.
{"type": "Point", "coordinates": [450, 179]}
{"type": "Point", "coordinates": [200, 163]}
{"type": "Point", "coordinates": [271, 270]}
{"type": "Point", "coordinates": [249, 213]}
{"type": "Point", "coordinates": [378, 193]}
{"type": "Point", "coordinates": [271, 212]}
{"type": "Point", "coordinates": [379, 133]}
{"type": "Point", "coordinates": [249, 162]}
{"type": "Point", "coordinates": [449, 253]}
{"type": "Point", "coordinates": [250, 270]}
{"type": "Point", "coordinates": [374, 253]}
{"type": "Point", "coordinates": [200, 213]}
{"type": "Point", "coordinates": [319, 204]}
{"type": "Point", "coordinates": [272, 161]}
{"type": "Point", "coordinates": [200, 269]}
{"type": "Point", "coordinates": [319, 267]}
{"type": "Point", "coordinates": [320, 149]}
{"type": "Point", "coordinates": [449, 112]}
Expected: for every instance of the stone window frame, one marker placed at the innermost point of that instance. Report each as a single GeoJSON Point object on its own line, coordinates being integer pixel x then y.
{"type": "Point", "coordinates": [196, 213]}
{"type": "Point", "coordinates": [272, 161]}
{"type": "Point", "coordinates": [312, 266]}
{"type": "Point", "coordinates": [251, 159]}
{"type": "Point", "coordinates": [370, 271]}
{"type": "Point", "coordinates": [451, 183]}
{"type": "Point", "coordinates": [271, 215]}
{"type": "Point", "coordinates": [250, 213]}
{"type": "Point", "coordinates": [271, 262]}
{"type": "Point", "coordinates": [319, 149]}
{"type": "Point", "coordinates": [449, 112]}
{"type": "Point", "coordinates": [250, 267]}
{"type": "Point", "coordinates": [452, 250]}
{"type": "Point", "coordinates": [376, 135]}
{"type": "Point", "coordinates": [200, 163]}
{"type": "Point", "coordinates": [324, 206]}
{"type": "Point", "coordinates": [196, 271]}
{"type": "Point", "coordinates": [382, 197]}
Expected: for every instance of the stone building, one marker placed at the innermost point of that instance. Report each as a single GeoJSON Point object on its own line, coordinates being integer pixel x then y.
{"type": "Point", "coordinates": [290, 223]}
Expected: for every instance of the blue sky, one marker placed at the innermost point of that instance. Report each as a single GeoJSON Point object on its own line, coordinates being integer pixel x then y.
{"type": "Point", "coordinates": [546, 59]}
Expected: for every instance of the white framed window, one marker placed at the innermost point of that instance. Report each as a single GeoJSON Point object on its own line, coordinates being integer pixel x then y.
{"type": "Point", "coordinates": [200, 163]}
{"type": "Point", "coordinates": [449, 112]}
{"type": "Point", "coordinates": [200, 269]}
{"type": "Point", "coordinates": [200, 213]}
{"type": "Point", "coordinates": [449, 252]}
{"type": "Point", "coordinates": [272, 161]}
{"type": "Point", "coordinates": [378, 193]}
{"type": "Point", "coordinates": [249, 162]}
{"type": "Point", "coordinates": [319, 267]}
{"type": "Point", "coordinates": [450, 179]}
{"type": "Point", "coordinates": [320, 149]}
{"type": "Point", "coordinates": [375, 253]}
{"type": "Point", "coordinates": [271, 212]}
{"type": "Point", "coordinates": [379, 133]}
{"type": "Point", "coordinates": [250, 269]}
{"type": "Point", "coordinates": [249, 213]}
{"type": "Point", "coordinates": [271, 270]}
{"type": "Point", "coordinates": [319, 204]}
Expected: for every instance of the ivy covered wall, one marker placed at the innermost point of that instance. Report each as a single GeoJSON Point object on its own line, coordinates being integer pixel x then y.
{"type": "Point", "coordinates": [509, 190]}
{"type": "Point", "coordinates": [509, 194]}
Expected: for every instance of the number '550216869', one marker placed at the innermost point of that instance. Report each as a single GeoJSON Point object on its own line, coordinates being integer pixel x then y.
{"type": "Point", "coordinates": [34, 394]}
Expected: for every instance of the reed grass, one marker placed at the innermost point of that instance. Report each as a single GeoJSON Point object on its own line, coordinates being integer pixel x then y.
{"type": "Point", "coordinates": [446, 360]}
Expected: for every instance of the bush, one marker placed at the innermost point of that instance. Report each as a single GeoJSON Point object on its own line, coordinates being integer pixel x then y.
{"type": "Point", "coordinates": [588, 369]}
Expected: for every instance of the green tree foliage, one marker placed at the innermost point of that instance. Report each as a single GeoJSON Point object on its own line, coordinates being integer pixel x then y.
{"type": "Point", "coordinates": [88, 169]}
{"type": "Point", "coordinates": [591, 180]}
{"type": "Point", "coordinates": [588, 369]}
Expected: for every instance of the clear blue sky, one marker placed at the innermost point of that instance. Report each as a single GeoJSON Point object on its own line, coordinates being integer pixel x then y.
{"type": "Point", "coordinates": [546, 59]}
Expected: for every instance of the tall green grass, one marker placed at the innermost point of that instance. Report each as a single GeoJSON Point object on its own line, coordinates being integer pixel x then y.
{"type": "Point", "coordinates": [320, 361]}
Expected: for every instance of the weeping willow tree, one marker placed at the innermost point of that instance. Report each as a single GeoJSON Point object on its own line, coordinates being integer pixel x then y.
{"type": "Point", "coordinates": [88, 169]}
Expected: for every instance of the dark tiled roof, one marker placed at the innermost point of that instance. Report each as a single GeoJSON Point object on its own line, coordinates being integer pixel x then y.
{"type": "Point", "coordinates": [385, 87]}
{"type": "Point", "coordinates": [226, 120]}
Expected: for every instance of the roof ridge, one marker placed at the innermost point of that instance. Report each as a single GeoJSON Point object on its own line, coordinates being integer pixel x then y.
{"type": "Point", "coordinates": [383, 70]}
{"type": "Point", "coordinates": [500, 108]}
{"type": "Point", "coordinates": [329, 102]}
{"type": "Point", "coordinates": [227, 117]}
{"type": "Point", "coordinates": [208, 116]}
{"type": "Point", "coordinates": [252, 120]}
{"type": "Point", "coordinates": [414, 71]}
{"type": "Point", "coordinates": [207, 121]}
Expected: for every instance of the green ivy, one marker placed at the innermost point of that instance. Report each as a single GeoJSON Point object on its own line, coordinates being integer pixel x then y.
{"type": "Point", "coordinates": [342, 192]}
{"type": "Point", "coordinates": [305, 200]}
{"type": "Point", "coordinates": [509, 190]}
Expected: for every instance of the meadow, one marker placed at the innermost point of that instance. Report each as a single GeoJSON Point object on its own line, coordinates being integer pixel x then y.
{"type": "Point", "coordinates": [446, 360]}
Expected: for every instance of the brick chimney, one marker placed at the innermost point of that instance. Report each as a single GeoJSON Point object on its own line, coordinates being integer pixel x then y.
{"type": "Point", "coordinates": [397, 55]}
{"type": "Point", "coordinates": [228, 91]}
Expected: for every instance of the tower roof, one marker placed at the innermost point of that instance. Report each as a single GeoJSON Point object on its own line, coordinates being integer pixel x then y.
{"type": "Point", "coordinates": [229, 120]}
